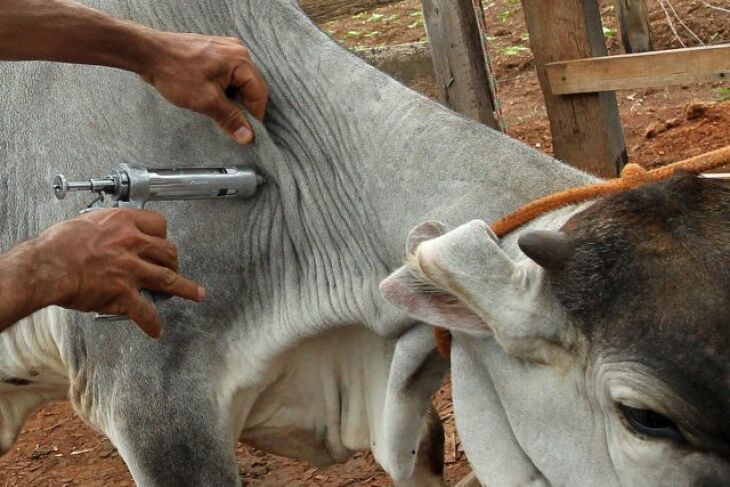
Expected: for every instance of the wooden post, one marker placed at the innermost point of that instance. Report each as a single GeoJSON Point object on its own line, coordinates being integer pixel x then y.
{"type": "Point", "coordinates": [586, 128]}
{"type": "Point", "coordinates": [633, 22]}
{"type": "Point", "coordinates": [458, 58]}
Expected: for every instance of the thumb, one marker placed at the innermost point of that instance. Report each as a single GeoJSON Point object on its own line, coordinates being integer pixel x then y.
{"type": "Point", "coordinates": [230, 119]}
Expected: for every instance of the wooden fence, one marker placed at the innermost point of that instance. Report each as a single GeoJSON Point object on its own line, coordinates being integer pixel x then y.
{"type": "Point", "coordinates": [577, 77]}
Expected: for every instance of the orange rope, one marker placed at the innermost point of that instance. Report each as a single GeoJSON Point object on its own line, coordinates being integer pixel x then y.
{"type": "Point", "coordinates": [632, 176]}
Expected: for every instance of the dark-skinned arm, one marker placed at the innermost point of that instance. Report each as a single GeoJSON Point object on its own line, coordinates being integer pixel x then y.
{"type": "Point", "coordinates": [95, 262]}
{"type": "Point", "coordinates": [190, 70]}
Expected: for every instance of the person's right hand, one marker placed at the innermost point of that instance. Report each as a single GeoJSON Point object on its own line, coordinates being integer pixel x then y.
{"type": "Point", "coordinates": [200, 72]}
{"type": "Point", "coordinates": [100, 260]}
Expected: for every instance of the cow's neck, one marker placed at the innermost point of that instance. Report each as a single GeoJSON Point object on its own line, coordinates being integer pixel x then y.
{"type": "Point", "coordinates": [359, 159]}
{"type": "Point", "coordinates": [369, 159]}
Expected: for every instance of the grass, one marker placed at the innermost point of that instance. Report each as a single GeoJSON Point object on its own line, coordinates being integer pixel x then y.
{"type": "Point", "coordinates": [514, 50]}
{"type": "Point", "coordinates": [722, 94]}
{"type": "Point", "coordinates": [608, 32]}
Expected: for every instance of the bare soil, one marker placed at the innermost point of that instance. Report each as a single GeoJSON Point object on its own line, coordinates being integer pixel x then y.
{"type": "Point", "coordinates": [661, 125]}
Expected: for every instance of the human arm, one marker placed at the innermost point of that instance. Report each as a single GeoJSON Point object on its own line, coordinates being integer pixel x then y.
{"type": "Point", "coordinates": [95, 262]}
{"type": "Point", "coordinates": [190, 70]}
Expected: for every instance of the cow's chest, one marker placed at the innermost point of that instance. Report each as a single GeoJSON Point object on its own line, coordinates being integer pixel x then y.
{"type": "Point", "coordinates": [324, 397]}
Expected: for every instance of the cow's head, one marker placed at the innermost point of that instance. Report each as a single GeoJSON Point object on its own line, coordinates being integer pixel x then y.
{"type": "Point", "coordinates": [624, 312]}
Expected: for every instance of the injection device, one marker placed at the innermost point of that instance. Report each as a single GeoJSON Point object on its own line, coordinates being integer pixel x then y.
{"type": "Point", "coordinates": [132, 186]}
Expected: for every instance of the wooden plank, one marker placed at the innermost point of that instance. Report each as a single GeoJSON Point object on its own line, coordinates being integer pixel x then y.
{"type": "Point", "coordinates": [633, 21]}
{"type": "Point", "coordinates": [458, 58]}
{"type": "Point", "coordinates": [586, 128]}
{"type": "Point", "coordinates": [632, 71]}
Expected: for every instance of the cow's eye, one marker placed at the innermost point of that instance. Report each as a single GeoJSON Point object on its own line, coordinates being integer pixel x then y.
{"type": "Point", "coordinates": [651, 424]}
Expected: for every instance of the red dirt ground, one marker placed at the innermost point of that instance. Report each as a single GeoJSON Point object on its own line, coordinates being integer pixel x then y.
{"type": "Point", "coordinates": [661, 125]}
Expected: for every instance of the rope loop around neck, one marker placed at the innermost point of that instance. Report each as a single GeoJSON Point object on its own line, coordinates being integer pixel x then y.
{"type": "Point", "coordinates": [632, 176]}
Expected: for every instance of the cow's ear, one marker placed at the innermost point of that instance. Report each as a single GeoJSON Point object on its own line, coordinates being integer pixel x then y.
{"type": "Point", "coordinates": [428, 305]}
{"type": "Point", "coordinates": [409, 291]}
{"type": "Point", "coordinates": [468, 264]}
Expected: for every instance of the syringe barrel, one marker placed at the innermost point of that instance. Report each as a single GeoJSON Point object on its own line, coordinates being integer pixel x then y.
{"type": "Point", "coordinates": [196, 183]}
{"type": "Point", "coordinates": [133, 186]}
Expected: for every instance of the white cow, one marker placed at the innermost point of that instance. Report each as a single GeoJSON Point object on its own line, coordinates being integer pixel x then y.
{"type": "Point", "coordinates": [295, 349]}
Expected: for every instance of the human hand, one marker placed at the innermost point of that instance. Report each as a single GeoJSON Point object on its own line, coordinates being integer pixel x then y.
{"type": "Point", "coordinates": [100, 260]}
{"type": "Point", "coordinates": [198, 72]}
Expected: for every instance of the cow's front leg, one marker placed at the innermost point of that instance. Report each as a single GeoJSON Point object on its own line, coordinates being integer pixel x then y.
{"type": "Point", "coordinates": [164, 417]}
{"type": "Point", "coordinates": [173, 441]}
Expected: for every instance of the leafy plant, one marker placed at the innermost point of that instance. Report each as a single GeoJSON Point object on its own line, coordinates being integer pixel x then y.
{"type": "Point", "coordinates": [608, 32]}
{"type": "Point", "coordinates": [514, 50]}
{"type": "Point", "coordinates": [504, 15]}
{"type": "Point", "coordinates": [525, 37]}
{"type": "Point", "coordinates": [417, 23]}
{"type": "Point", "coordinates": [352, 33]}
{"type": "Point", "coordinates": [722, 93]}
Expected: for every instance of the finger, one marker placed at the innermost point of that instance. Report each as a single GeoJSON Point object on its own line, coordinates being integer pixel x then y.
{"type": "Point", "coordinates": [151, 222]}
{"type": "Point", "coordinates": [143, 312]}
{"type": "Point", "coordinates": [230, 119]}
{"type": "Point", "coordinates": [162, 279]}
{"type": "Point", "coordinates": [160, 252]}
{"type": "Point", "coordinates": [253, 89]}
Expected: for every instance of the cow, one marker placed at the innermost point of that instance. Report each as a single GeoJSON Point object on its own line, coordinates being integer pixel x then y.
{"type": "Point", "coordinates": [592, 346]}
{"type": "Point", "coordinates": [295, 350]}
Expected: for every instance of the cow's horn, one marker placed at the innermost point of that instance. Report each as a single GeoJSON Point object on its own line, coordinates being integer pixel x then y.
{"type": "Point", "coordinates": [549, 249]}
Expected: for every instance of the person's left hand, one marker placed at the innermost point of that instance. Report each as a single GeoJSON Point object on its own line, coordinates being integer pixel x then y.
{"type": "Point", "coordinates": [199, 72]}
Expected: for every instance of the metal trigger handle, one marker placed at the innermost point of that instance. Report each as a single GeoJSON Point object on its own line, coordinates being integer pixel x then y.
{"type": "Point", "coordinates": [153, 296]}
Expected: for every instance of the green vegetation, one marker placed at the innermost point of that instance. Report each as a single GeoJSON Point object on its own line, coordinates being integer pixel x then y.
{"type": "Point", "coordinates": [722, 94]}
{"type": "Point", "coordinates": [514, 50]}
{"type": "Point", "coordinates": [504, 15]}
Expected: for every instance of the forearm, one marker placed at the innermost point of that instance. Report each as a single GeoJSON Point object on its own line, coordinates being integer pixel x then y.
{"type": "Point", "coordinates": [23, 288]}
{"type": "Point", "coordinates": [66, 31]}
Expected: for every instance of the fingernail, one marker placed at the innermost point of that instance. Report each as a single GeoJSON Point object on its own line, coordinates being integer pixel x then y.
{"type": "Point", "coordinates": [202, 293]}
{"type": "Point", "coordinates": [243, 135]}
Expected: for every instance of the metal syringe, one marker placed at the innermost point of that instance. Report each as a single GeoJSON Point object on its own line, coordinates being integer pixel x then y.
{"type": "Point", "coordinates": [133, 186]}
